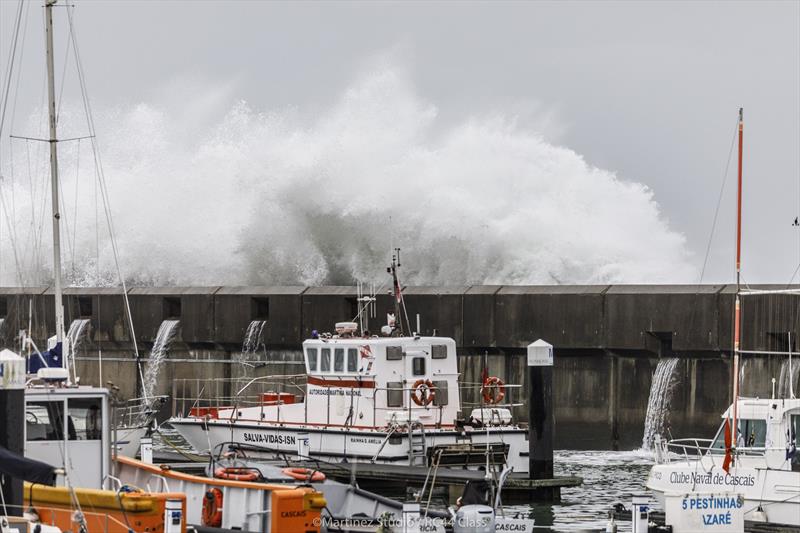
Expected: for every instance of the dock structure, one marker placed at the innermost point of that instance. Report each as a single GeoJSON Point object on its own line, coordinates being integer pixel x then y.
{"type": "Point", "coordinates": [607, 340]}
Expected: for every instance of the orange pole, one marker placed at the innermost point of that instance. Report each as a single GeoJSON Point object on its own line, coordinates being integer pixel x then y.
{"type": "Point", "coordinates": [737, 310]}
{"type": "Point", "coordinates": [739, 201]}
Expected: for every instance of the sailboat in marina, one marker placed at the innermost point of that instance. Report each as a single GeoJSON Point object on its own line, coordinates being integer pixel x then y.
{"type": "Point", "coordinates": [754, 453]}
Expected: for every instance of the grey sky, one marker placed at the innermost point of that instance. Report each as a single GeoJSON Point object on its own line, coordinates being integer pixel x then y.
{"type": "Point", "coordinates": [648, 90]}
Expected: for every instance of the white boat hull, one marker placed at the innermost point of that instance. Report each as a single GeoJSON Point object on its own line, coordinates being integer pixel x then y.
{"type": "Point", "coordinates": [356, 445]}
{"type": "Point", "coordinates": [776, 491]}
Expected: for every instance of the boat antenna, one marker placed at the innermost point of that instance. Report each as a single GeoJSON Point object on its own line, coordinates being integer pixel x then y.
{"type": "Point", "coordinates": [399, 304]}
{"type": "Point", "coordinates": [737, 305]}
{"type": "Point", "coordinates": [53, 141]}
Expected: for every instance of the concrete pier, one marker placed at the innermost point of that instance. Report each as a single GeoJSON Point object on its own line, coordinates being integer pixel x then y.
{"type": "Point", "coordinates": [607, 340]}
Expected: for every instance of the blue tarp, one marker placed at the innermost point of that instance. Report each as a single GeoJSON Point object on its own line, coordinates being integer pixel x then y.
{"type": "Point", "coordinates": [52, 357]}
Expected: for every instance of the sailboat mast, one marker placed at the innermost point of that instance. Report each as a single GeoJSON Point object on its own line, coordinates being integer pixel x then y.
{"type": "Point", "coordinates": [51, 96]}
{"type": "Point", "coordinates": [737, 308]}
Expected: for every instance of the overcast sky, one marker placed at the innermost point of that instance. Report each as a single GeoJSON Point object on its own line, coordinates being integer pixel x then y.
{"type": "Point", "coordinates": [647, 90]}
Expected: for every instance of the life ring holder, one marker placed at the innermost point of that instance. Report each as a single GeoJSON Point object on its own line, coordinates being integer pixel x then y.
{"type": "Point", "coordinates": [423, 392]}
{"type": "Point", "coordinates": [237, 473]}
{"type": "Point", "coordinates": [212, 508]}
{"type": "Point", "coordinates": [304, 474]}
{"type": "Point", "coordinates": [493, 390]}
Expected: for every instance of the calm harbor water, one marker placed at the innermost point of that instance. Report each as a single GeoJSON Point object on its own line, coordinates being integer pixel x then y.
{"type": "Point", "coordinates": [608, 478]}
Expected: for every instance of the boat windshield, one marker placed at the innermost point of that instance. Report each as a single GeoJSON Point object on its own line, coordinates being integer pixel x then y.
{"type": "Point", "coordinates": [752, 434]}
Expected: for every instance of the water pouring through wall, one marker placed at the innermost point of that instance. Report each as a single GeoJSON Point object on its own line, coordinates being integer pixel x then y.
{"type": "Point", "coordinates": [787, 376]}
{"type": "Point", "coordinates": [166, 333]}
{"type": "Point", "coordinates": [77, 332]}
{"type": "Point", "coordinates": [252, 343]}
{"type": "Point", "coordinates": [659, 402]}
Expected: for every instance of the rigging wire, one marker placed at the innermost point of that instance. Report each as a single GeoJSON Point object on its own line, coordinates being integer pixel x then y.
{"type": "Point", "coordinates": [12, 55]}
{"type": "Point", "coordinates": [103, 187]}
{"type": "Point", "coordinates": [719, 202]}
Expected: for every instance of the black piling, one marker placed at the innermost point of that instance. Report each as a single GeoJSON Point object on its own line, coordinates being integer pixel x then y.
{"type": "Point", "coordinates": [540, 411]}
{"type": "Point", "coordinates": [12, 420]}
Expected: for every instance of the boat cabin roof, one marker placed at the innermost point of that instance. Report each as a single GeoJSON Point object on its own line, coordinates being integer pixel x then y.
{"type": "Point", "coordinates": [764, 408]}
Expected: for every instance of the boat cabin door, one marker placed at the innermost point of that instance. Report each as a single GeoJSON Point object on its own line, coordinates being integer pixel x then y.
{"type": "Point", "coordinates": [68, 428]}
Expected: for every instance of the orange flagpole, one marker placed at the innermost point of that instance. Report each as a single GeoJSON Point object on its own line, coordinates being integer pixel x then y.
{"type": "Point", "coordinates": [737, 309]}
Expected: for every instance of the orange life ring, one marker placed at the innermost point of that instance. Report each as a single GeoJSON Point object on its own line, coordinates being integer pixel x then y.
{"type": "Point", "coordinates": [212, 508]}
{"type": "Point", "coordinates": [493, 390]}
{"type": "Point", "coordinates": [423, 392]}
{"type": "Point", "coordinates": [304, 474]}
{"type": "Point", "coordinates": [236, 474]}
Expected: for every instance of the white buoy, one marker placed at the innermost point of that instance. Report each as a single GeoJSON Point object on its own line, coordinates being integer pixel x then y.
{"type": "Point", "coordinates": [173, 516]}
{"type": "Point", "coordinates": [640, 514]}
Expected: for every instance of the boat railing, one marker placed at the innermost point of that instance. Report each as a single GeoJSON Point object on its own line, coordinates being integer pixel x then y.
{"type": "Point", "coordinates": [138, 411]}
{"type": "Point", "coordinates": [63, 515]}
{"type": "Point", "coordinates": [193, 396]}
{"type": "Point", "coordinates": [686, 448]}
{"type": "Point", "coordinates": [197, 397]}
{"type": "Point", "coordinates": [691, 449]}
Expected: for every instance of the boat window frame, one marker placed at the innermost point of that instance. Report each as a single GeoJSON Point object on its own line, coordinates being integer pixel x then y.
{"type": "Point", "coordinates": [53, 432]}
{"type": "Point", "coordinates": [394, 353]}
{"type": "Point", "coordinates": [717, 445]}
{"type": "Point", "coordinates": [394, 390]}
{"type": "Point", "coordinates": [438, 351]}
{"type": "Point", "coordinates": [414, 370]}
{"type": "Point", "coordinates": [442, 396]}
{"type": "Point", "coordinates": [338, 360]}
{"type": "Point", "coordinates": [325, 360]}
{"type": "Point", "coordinates": [352, 357]}
{"type": "Point", "coordinates": [312, 362]}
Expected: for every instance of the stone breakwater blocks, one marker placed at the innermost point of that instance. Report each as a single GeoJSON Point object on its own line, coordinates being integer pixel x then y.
{"type": "Point", "coordinates": [705, 511]}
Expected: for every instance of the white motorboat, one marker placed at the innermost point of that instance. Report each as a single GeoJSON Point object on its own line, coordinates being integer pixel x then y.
{"type": "Point", "coordinates": [766, 471]}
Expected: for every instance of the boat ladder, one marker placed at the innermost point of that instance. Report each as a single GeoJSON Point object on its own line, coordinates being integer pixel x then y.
{"type": "Point", "coordinates": [417, 447]}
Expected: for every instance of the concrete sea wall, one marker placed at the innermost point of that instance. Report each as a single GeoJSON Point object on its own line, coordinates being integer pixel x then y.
{"type": "Point", "coordinates": [607, 339]}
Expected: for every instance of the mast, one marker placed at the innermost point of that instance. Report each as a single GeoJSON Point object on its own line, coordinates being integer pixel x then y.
{"type": "Point", "coordinates": [51, 96]}
{"type": "Point", "coordinates": [737, 308]}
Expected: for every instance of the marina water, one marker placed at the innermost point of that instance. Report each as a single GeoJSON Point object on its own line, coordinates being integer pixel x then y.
{"type": "Point", "coordinates": [659, 401]}
{"type": "Point", "coordinates": [166, 333]}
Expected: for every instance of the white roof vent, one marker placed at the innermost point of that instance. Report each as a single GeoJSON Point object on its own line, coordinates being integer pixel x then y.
{"type": "Point", "coordinates": [53, 374]}
{"type": "Point", "coordinates": [346, 328]}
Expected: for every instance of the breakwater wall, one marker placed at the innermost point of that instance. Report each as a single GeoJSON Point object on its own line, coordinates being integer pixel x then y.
{"type": "Point", "coordinates": [607, 340]}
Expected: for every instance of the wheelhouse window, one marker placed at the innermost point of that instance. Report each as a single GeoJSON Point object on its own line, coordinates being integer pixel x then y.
{"type": "Point", "coordinates": [418, 366]}
{"type": "Point", "coordinates": [352, 359]}
{"type": "Point", "coordinates": [394, 394]}
{"type": "Point", "coordinates": [325, 360]}
{"type": "Point", "coordinates": [44, 421]}
{"type": "Point", "coordinates": [338, 360]}
{"type": "Point", "coordinates": [439, 351]}
{"type": "Point", "coordinates": [441, 393]}
{"type": "Point", "coordinates": [85, 418]}
{"type": "Point", "coordinates": [752, 433]}
{"type": "Point", "coordinates": [394, 353]}
{"type": "Point", "coordinates": [311, 356]}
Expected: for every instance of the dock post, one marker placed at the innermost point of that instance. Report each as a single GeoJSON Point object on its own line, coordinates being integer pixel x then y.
{"type": "Point", "coordinates": [12, 422]}
{"type": "Point", "coordinates": [540, 410]}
